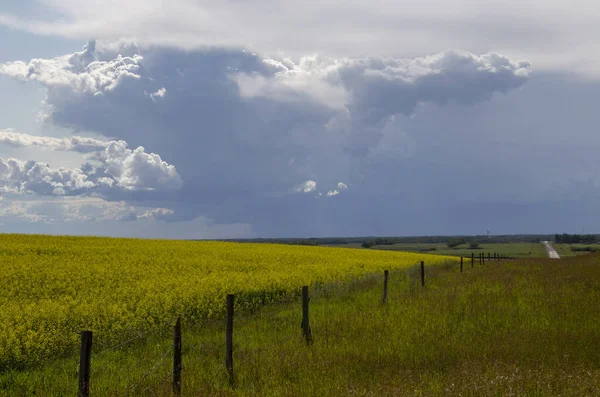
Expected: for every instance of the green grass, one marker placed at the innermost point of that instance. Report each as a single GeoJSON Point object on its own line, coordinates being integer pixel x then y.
{"type": "Point", "coordinates": [565, 250]}
{"type": "Point", "coordinates": [515, 250]}
{"type": "Point", "coordinates": [528, 327]}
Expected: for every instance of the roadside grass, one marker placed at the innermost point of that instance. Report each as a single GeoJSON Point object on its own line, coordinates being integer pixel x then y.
{"type": "Point", "coordinates": [515, 328]}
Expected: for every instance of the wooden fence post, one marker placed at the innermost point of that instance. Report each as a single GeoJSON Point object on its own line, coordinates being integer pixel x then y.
{"type": "Point", "coordinates": [489, 256]}
{"type": "Point", "coordinates": [472, 260]}
{"type": "Point", "coordinates": [483, 258]}
{"type": "Point", "coordinates": [305, 321]}
{"type": "Point", "coordinates": [85, 360]}
{"type": "Point", "coordinates": [385, 285]}
{"type": "Point", "coordinates": [177, 357]}
{"type": "Point", "coordinates": [229, 339]}
{"type": "Point", "coordinates": [422, 273]}
{"type": "Point", "coordinates": [461, 263]}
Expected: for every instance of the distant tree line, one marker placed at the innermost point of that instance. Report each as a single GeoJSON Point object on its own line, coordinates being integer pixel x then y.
{"type": "Point", "coordinates": [455, 242]}
{"type": "Point", "coordinates": [484, 239]}
{"type": "Point", "coordinates": [474, 245]}
{"type": "Point", "coordinates": [310, 241]}
{"type": "Point", "coordinates": [575, 238]}
{"type": "Point", "coordinates": [584, 249]}
{"type": "Point", "coordinates": [368, 243]}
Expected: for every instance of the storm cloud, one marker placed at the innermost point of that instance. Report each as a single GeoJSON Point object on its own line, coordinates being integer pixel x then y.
{"type": "Point", "coordinates": [236, 130]}
{"type": "Point", "coordinates": [265, 125]}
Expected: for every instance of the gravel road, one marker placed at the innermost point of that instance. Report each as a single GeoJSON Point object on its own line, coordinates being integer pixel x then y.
{"type": "Point", "coordinates": [550, 250]}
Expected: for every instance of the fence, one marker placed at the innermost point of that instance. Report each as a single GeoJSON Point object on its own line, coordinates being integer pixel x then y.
{"type": "Point", "coordinates": [175, 375]}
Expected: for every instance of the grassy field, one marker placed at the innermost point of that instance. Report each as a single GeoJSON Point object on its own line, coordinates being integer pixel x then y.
{"type": "Point", "coordinates": [520, 328]}
{"type": "Point", "coordinates": [515, 250]}
{"type": "Point", "coordinates": [53, 287]}
{"type": "Point", "coordinates": [566, 250]}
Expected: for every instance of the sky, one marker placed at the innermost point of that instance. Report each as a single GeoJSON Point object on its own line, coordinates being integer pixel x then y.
{"type": "Point", "coordinates": [243, 119]}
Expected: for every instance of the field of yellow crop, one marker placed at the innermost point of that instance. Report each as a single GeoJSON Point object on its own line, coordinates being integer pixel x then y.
{"type": "Point", "coordinates": [54, 287]}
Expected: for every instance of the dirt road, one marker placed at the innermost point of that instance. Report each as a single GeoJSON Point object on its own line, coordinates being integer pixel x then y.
{"type": "Point", "coordinates": [550, 250]}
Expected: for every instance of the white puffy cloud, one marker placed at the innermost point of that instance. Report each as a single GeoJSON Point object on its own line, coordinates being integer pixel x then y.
{"type": "Point", "coordinates": [138, 170]}
{"type": "Point", "coordinates": [82, 72]}
{"type": "Point", "coordinates": [306, 187]}
{"type": "Point", "coordinates": [312, 79]}
{"type": "Point", "coordinates": [159, 94]}
{"type": "Point", "coordinates": [342, 185]}
{"type": "Point", "coordinates": [332, 193]}
{"type": "Point", "coordinates": [120, 168]}
{"type": "Point", "coordinates": [345, 83]}
{"type": "Point", "coordinates": [20, 177]}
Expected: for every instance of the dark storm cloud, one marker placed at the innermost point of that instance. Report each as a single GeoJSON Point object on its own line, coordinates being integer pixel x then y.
{"type": "Point", "coordinates": [244, 131]}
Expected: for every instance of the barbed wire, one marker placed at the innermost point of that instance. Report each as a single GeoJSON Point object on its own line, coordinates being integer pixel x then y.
{"type": "Point", "coordinates": [128, 341]}
{"type": "Point", "coordinates": [160, 360]}
{"type": "Point", "coordinates": [220, 367]}
{"type": "Point", "coordinates": [163, 380]}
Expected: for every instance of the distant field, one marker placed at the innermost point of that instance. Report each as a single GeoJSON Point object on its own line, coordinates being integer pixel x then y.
{"type": "Point", "coordinates": [566, 250]}
{"type": "Point", "coordinates": [516, 250]}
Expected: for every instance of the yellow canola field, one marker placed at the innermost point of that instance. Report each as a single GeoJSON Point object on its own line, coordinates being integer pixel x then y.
{"type": "Point", "coordinates": [54, 287]}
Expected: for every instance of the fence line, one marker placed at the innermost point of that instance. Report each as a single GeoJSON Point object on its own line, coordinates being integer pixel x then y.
{"type": "Point", "coordinates": [228, 363]}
